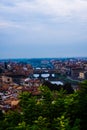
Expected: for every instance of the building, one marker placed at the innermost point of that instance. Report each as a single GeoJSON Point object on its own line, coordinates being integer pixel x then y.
{"type": "Point", "coordinates": [75, 72]}
{"type": "Point", "coordinates": [83, 75]}
{"type": "Point", "coordinates": [6, 79]}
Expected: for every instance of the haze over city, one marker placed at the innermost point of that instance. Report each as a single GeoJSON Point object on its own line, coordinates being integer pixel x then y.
{"type": "Point", "coordinates": [37, 28]}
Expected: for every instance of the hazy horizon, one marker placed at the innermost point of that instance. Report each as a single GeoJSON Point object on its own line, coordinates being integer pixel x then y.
{"type": "Point", "coordinates": [33, 58]}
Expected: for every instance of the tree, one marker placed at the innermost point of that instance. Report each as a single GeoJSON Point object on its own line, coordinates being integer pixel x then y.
{"type": "Point", "coordinates": [52, 110]}
{"type": "Point", "coordinates": [83, 104]}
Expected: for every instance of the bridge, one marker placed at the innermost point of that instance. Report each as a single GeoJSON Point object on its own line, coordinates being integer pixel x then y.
{"type": "Point", "coordinates": [35, 73]}
{"type": "Point", "coordinates": [45, 73]}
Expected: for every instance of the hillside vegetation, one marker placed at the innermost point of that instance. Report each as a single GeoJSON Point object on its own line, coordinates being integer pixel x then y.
{"type": "Point", "coordinates": [51, 110]}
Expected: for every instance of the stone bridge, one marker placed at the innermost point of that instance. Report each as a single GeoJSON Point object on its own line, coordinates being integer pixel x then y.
{"type": "Point", "coordinates": [45, 73]}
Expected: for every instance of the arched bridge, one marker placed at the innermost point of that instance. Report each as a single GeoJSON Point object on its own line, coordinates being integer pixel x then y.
{"type": "Point", "coordinates": [43, 73]}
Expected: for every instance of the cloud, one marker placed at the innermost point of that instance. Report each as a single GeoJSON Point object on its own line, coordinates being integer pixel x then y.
{"type": "Point", "coordinates": [38, 15]}
{"type": "Point", "coordinates": [52, 8]}
{"type": "Point", "coordinates": [44, 20]}
{"type": "Point", "coordinates": [8, 24]}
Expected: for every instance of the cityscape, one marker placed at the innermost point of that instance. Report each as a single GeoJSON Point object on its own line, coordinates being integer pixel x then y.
{"type": "Point", "coordinates": [17, 75]}
{"type": "Point", "coordinates": [43, 65]}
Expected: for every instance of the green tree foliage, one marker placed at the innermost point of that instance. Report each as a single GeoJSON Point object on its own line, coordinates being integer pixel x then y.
{"type": "Point", "coordinates": [66, 87]}
{"type": "Point", "coordinates": [52, 110]}
{"type": "Point", "coordinates": [1, 115]}
{"type": "Point", "coordinates": [83, 105]}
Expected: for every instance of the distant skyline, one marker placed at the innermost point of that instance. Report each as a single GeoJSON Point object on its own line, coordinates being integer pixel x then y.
{"type": "Point", "coordinates": [43, 28]}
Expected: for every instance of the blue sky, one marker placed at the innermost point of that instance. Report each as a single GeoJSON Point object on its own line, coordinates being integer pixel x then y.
{"type": "Point", "coordinates": [43, 28]}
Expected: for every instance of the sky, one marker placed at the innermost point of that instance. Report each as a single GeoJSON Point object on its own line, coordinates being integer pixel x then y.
{"type": "Point", "coordinates": [43, 28]}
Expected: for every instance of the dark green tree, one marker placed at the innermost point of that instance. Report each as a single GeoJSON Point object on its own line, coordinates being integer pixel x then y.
{"type": "Point", "coordinates": [83, 104]}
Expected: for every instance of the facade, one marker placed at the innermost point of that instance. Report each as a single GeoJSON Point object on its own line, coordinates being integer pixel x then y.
{"type": "Point", "coordinates": [81, 75]}
{"type": "Point", "coordinates": [75, 72]}
{"type": "Point", "coordinates": [6, 79]}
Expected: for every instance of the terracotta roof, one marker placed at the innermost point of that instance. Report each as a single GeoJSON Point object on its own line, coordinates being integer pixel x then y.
{"type": "Point", "coordinates": [14, 103]}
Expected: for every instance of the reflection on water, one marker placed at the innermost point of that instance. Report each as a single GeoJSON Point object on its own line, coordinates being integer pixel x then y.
{"type": "Point", "coordinates": [57, 82]}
